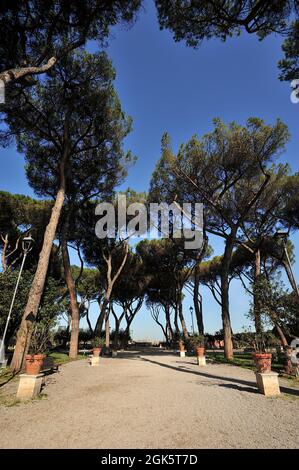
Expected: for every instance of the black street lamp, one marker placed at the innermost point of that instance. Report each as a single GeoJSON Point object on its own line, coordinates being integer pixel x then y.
{"type": "Point", "coordinates": [26, 247]}
{"type": "Point", "coordinates": [27, 243]}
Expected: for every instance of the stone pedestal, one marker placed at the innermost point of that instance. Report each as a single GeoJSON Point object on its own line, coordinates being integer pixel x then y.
{"type": "Point", "coordinates": [201, 360]}
{"type": "Point", "coordinates": [182, 353]}
{"type": "Point", "coordinates": [29, 386]}
{"type": "Point", "coordinates": [94, 360]}
{"type": "Point", "coordinates": [268, 383]}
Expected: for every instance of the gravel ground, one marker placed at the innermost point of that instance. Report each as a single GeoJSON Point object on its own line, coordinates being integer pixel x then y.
{"type": "Point", "coordinates": [151, 400]}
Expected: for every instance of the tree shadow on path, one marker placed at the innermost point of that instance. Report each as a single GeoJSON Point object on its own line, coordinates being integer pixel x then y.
{"type": "Point", "coordinates": [252, 385]}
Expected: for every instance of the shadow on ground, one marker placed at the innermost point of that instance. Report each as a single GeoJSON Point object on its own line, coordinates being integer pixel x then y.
{"type": "Point", "coordinates": [249, 386]}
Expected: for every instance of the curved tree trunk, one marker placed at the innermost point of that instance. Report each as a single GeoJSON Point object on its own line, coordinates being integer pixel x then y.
{"type": "Point", "coordinates": [101, 318]}
{"type": "Point", "coordinates": [168, 324]}
{"type": "Point", "coordinates": [127, 330]}
{"type": "Point", "coordinates": [164, 331]}
{"type": "Point", "coordinates": [176, 322]}
{"type": "Point", "coordinates": [288, 367]}
{"type": "Point", "coordinates": [132, 314]}
{"type": "Point", "coordinates": [290, 276]}
{"type": "Point", "coordinates": [89, 323]}
{"type": "Point", "coordinates": [111, 279]}
{"type": "Point", "coordinates": [37, 287]}
{"type": "Point", "coordinates": [281, 335]}
{"type": "Point", "coordinates": [38, 283]}
{"type": "Point", "coordinates": [197, 301]}
{"type": "Point", "coordinates": [293, 283]}
{"type": "Point", "coordinates": [107, 331]}
{"type": "Point", "coordinates": [182, 319]}
{"type": "Point", "coordinates": [118, 321]}
{"type": "Point", "coordinates": [116, 332]}
{"type": "Point", "coordinates": [228, 345]}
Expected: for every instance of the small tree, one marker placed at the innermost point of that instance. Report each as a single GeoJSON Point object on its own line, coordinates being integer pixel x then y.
{"type": "Point", "coordinates": [277, 306]}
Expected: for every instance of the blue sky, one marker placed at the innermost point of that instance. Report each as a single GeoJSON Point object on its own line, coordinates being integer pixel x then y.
{"type": "Point", "coordinates": [166, 86]}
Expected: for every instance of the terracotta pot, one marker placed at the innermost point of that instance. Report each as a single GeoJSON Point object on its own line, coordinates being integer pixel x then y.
{"type": "Point", "coordinates": [262, 362]}
{"type": "Point", "coordinates": [96, 351]}
{"type": "Point", "coordinates": [200, 351]}
{"type": "Point", "coordinates": [181, 346]}
{"type": "Point", "coordinates": [34, 363]}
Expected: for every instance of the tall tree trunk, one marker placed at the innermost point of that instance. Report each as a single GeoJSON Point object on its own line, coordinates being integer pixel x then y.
{"type": "Point", "coordinates": [110, 283]}
{"type": "Point", "coordinates": [107, 331]}
{"type": "Point", "coordinates": [182, 319]}
{"type": "Point", "coordinates": [89, 323]}
{"type": "Point", "coordinates": [164, 331]}
{"type": "Point", "coordinates": [281, 335]}
{"type": "Point", "coordinates": [4, 249]}
{"type": "Point", "coordinates": [176, 322]}
{"type": "Point", "coordinates": [100, 320]}
{"type": "Point", "coordinates": [37, 287]}
{"type": "Point", "coordinates": [116, 332]}
{"type": "Point", "coordinates": [197, 301]}
{"type": "Point", "coordinates": [226, 323]}
{"type": "Point", "coordinates": [118, 321]}
{"type": "Point", "coordinates": [102, 316]}
{"type": "Point", "coordinates": [127, 330]}
{"type": "Point", "coordinates": [292, 281]}
{"type": "Point", "coordinates": [290, 275]}
{"type": "Point", "coordinates": [168, 323]}
{"type": "Point", "coordinates": [74, 307]}
{"type": "Point", "coordinates": [287, 350]}
{"type": "Point", "coordinates": [38, 283]}
{"type": "Point", "coordinates": [256, 302]}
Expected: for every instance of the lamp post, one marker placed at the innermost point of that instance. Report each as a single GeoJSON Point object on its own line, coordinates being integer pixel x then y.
{"type": "Point", "coordinates": [191, 312]}
{"type": "Point", "coordinates": [283, 235]}
{"type": "Point", "coordinates": [26, 247]}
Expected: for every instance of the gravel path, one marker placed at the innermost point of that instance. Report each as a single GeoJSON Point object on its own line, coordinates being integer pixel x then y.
{"type": "Point", "coordinates": [151, 400]}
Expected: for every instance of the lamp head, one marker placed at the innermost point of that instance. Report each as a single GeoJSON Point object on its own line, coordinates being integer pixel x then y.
{"type": "Point", "coordinates": [27, 243]}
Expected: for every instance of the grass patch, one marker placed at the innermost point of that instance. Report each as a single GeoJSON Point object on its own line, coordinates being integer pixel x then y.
{"type": "Point", "coordinates": [9, 400]}
{"type": "Point", "coordinates": [242, 360]}
{"type": "Point", "coordinates": [5, 376]}
{"type": "Point", "coordinates": [62, 358]}
{"type": "Point", "coordinates": [293, 381]}
{"type": "Point", "coordinates": [40, 396]}
{"type": "Point", "coordinates": [287, 397]}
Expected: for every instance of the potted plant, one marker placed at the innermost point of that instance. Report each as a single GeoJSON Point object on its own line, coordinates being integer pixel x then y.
{"type": "Point", "coordinates": [261, 357]}
{"type": "Point", "coordinates": [97, 344]}
{"type": "Point", "coordinates": [196, 344]}
{"type": "Point", "coordinates": [199, 345]}
{"type": "Point", "coordinates": [38, 345]}
{"type": "Point", "coordinates": [181, 345]}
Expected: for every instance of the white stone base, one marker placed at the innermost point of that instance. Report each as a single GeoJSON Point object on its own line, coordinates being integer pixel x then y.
{"type": "Point", "coordinates": [182, 353]}
{"type": "Point", "coordinates": [268, 383]}
{"type": "Point", "coordinates": [201, 360]}
{"type": "Point", "coordinates": [29, 386]}
{"type": "Point", "coordinates": [95, 360]}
